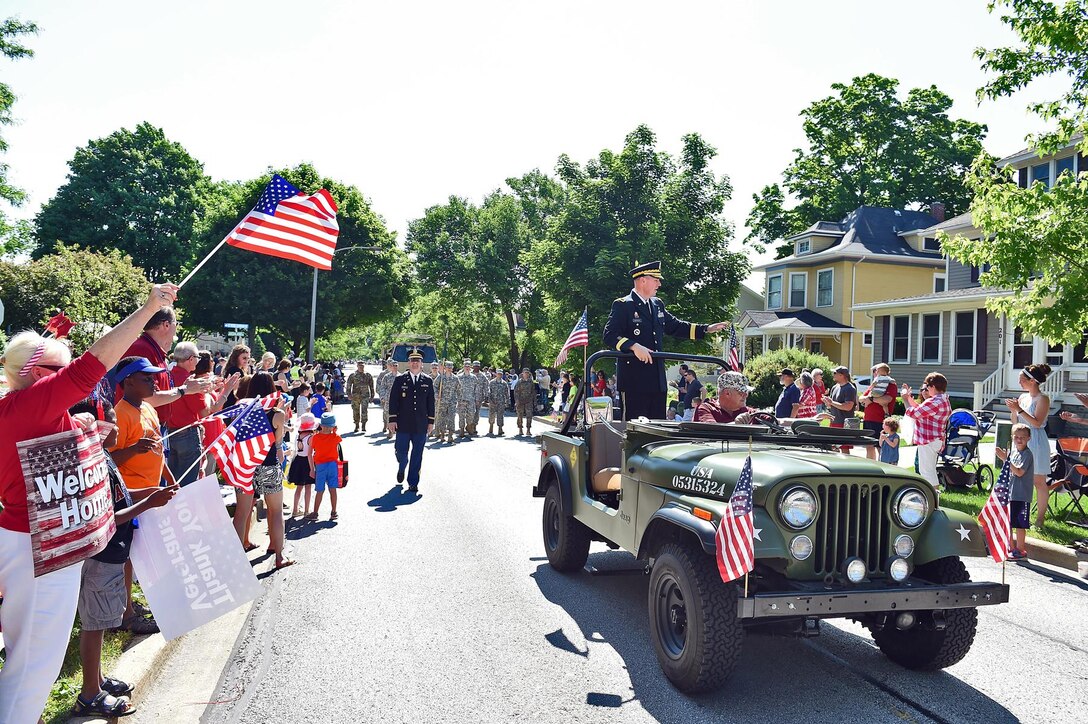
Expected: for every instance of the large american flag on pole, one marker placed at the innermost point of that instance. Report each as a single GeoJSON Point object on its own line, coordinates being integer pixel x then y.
{"type": "Point", "coordinates": [994, 517]}
{"type": "Point", "coordinates": [291, 225]}
{"type": "Point", "coordinates": [734, 353]}
{"type": "Point", "coordinates": [734, 546]}
{"type": "Point", "coordinates": [579, 337]}
{"type": "Point", "coordinates": [243, 446]}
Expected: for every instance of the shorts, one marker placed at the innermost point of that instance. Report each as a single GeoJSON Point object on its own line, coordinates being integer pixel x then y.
{"type": "Point", "coordinates": [102, 595]}
{"type": "Point", "coordinates": [267, 479]}
{"type": "Point", "coordinates": [1018, 514]}
{"type": "Point", "coordinates": [299, 472]}
{"type": "Point", "coordinates": [872, 426]}
{"type": "Point", "coordinates": [328, 475]}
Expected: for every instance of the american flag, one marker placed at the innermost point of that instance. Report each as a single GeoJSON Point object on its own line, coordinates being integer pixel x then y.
{"type": "Point", "coordinates": [734, 353]}
{"type": "Point", "coordinates": [288, 224]}
{"type": "Point", "coordinates": [268, 402]}
{"type": "Point", "coordinates": [579, 337]}
{"type": "Point", "coordinates": [243, 446]}
{"type": "Point", "coordinates": [994, 517]}
{"type": "Point", "coordinates": [734, 541]}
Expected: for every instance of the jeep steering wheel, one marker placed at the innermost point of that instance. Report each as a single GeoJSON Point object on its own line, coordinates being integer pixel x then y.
{"type": "Point", "coordinates": [766, 418]}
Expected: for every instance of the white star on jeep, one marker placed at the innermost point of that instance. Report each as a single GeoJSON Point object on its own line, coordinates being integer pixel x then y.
{"type": "Point", "coordinates": [756, 532]}
{"type": "Point", "coordinates": [965, 534]}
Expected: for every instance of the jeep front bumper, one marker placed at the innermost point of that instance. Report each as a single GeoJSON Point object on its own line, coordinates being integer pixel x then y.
{"type": "Point", "coordinates": [846, 601]}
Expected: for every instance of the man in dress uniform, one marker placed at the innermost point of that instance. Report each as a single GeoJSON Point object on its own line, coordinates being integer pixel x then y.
{"type": "Point", "coordinates": [411, 417]}
{"type": "Point", "coordinates": [638, 323]}
{"type": "Point", "coordinates": [360, 390]}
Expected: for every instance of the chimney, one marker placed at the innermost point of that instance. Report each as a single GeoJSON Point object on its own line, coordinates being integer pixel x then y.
{"type": "Point", "coordinates": [936, 210]}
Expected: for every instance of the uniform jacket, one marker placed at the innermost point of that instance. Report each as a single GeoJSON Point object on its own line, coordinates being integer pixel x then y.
{"type": "Point", "coordinates": [411, 406]}
{"type": "Point", "coordinates": [632, 322]}
{"type": "Point", "coordinates": [498, 394]}
{"type": "Point", "coordinates": [360, 386]}
{"type": "Point", "coordinates": [525, 391]}
{"type": "Point", "coordinates": [385, 383]}
{"type": "Point", "coordinates": [447, 390]}
{"type": "Point", "coordinates": [469, 387]}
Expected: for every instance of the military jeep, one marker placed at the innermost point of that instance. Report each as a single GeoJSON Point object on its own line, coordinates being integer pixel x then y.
{"type": "Point", "coordinates": [837, 536]}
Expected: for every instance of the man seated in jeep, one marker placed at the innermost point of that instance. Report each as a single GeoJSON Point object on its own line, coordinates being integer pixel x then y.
{"type": "Point", "coordinates": [729, 406]}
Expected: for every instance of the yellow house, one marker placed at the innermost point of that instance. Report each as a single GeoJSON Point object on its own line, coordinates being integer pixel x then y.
{"type": "Point", "coordinates": [873, 254]}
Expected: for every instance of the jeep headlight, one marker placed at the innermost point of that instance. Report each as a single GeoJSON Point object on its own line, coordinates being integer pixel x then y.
{"type": "Point", "coordinates": [911, 508]}
{"type": "Point", "coordinates": [798, 507]}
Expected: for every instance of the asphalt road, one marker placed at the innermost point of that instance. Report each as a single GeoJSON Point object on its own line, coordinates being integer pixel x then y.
{"type": "Point", "coordinates": [443, 608]}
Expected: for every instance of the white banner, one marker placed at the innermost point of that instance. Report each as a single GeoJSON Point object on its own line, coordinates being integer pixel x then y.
{"type": "Point", "coordinates": [189, 561]}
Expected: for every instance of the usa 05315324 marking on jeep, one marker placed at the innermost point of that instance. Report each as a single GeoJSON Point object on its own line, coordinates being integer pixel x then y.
{"type": "Point", "coordinates": [699, 481]}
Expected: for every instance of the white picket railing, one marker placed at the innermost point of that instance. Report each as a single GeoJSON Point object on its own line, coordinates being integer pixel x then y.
{"type": "Point", "coordinates": [988, 389]}
{"type": "Point", "coordinates": [1055, 384]}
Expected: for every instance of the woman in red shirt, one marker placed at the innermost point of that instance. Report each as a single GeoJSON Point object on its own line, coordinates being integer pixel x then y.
{"type": "Point", "coordinates": [37, 614]}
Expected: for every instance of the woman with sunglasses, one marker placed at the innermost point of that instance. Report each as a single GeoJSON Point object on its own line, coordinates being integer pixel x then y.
{"type": "Point", "coordinates": [930, 415]}
{"type": "Point", "coordinates": [37, 614]}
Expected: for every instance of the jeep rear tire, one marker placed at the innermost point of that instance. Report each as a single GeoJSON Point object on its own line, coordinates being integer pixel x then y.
{"type": "Point", "coordinates": [566, 541]}
{"type": "Point", "coordinates": [925, 649]}
{"type": "Point", "coordinates": [696, 633]}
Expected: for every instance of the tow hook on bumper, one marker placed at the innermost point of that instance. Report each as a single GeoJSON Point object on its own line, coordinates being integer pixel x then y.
{"type": "Point", "coordinates": [862, 600]}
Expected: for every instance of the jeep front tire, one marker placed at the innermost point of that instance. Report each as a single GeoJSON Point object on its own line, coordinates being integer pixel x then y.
{"type": "Point", "coordinates": [566, 541]}
{"type": "Point", "coordinates": [696, 633]}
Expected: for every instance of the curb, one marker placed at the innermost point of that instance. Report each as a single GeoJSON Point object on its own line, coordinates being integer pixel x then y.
{"type": "Point", "coordinates": [1054, 554]}
{"type": "Point", "coordinates": [137, 665]}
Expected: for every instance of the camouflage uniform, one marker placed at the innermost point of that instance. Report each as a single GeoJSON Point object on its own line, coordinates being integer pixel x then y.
{"type": "Point", "coordinates": [360, 389]}
{"type": "Point", "coordinates": [482, 382]}
{"type": "Point", "coordinates": [524, 401]}
{"type": "Point", "coordinates": [447, 395]}
{"type": "Point", "coordinates": [385, 386]}
{"type": "Point", "coordinates": [498, 394]}
{"type": "Point", "coordinates": [467, 402]}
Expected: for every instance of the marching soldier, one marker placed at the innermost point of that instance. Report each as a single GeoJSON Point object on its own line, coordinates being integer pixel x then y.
{"type": "Point", "coordinates": [498, 392]}
{"type": "Point", "coordinates": [448, 393]}
{"type": "Point", "coordinates": [385, 384]}
{"type": "Point", "coordinates": [360, 390]}
{"type": "Point", "coordinates": [524, 400]}
{"type": "Point", "coordinates": [411, 417]}
{"type": "Point", "coordinates": [482, 383]}
{"type": "Point", "coordinates": [467, 400]}
{"type": "Point", "coordinates": [638, 323]}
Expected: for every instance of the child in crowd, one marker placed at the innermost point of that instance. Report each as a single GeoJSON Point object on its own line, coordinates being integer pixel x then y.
{"type": "Point", "coordinates": [302, 399]}
{"type": "Point", "coordinates": [102, 597]}
{"type": "Point", "coordinates": [318, 403]}
{"type": "Point", "coordinates": [324, 454]}
{"type": "Point", "coordinates": [1022, 482]}
{"type": "Point", "coordinates": [301, 473]}
{"type": "Point", "coordinates": [138, 453]}
{"type": "Point", "coordinates": [889, 442]}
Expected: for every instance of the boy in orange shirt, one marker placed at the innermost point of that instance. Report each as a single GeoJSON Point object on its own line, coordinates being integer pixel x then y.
{"type": "Point", "coordinates": [324, 454]}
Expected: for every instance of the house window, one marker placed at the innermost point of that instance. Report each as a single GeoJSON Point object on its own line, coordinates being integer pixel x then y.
{"type": "Point", "coordinates": [774, 292]}
{"type": "Point", "coordinates": [1055, 355]}
{"type": "Point", "coordinates": [1080, 351]}
{"type": "Point", "coordinates": [798, 289]}
{"type": "Point", "coordinates": [825, 284]}
{"type": "Point", "coordinates": [931, 339]}
{"type": "Point", "coordinates": [964, 338]}
{"type": "Point", "coordinates": [1063, 164]}
{"type": "Point", "coordinates": [804, 246]}
{"type": "Point", "coordinates": [901, 339]}
{"type": "Point", "coordinates": [977, 272]}
{"type": "Point", "coordinates": [931, 244]}
{"type": "Point", "coordinates": [866, 339]}
{"type": "Point", "coordinates": [816, 347]}
{"type": "Point", "coordinates": [1041, 174]}
{"type": "Point", "coordinates": [940, 283]}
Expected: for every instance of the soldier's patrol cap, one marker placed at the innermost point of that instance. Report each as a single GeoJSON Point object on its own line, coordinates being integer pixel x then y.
{"type": "Point", "coordinates": [447, 363]}
{"type": "Point", "coordinates": [415, 354]}
{"type": "Point", "coordinates": [526, 369]}
{"type": "Point", "coordinates": [475, 363]}
{"type": "Point", "coordinates": [466, 362]}
{"type": "Point", "coordinates": [649, 269]}
{"type": "Point", "coordinates": [498, 370]}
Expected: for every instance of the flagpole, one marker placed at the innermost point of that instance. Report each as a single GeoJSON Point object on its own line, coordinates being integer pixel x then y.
{"type": "Point", "coordinates": [202, 263]}
{"type": "Point", "coordinates": [753, 543]}
{"type": "Point", "coordinates": [204, 452]}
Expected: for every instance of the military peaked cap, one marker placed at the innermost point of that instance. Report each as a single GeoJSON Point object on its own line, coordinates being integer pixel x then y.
{"type": "Point", "coordinates": [649, 269]}
{"type": "Point", "coordinates": [415, 354]}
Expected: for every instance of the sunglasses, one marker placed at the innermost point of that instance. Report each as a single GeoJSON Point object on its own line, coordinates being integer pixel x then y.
{"type": "Point", "coordinates": [55, 368]}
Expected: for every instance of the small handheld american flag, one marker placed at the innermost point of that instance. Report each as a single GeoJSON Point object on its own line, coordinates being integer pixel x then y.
{"type": "Point", "coordinates": [994, 517]}
{"type": "Point", "coordinates": [243, 446]}
{"type": "Point", "coordinates": [579, 337]}
{"type": "Point", "coordinates": [734, 545]}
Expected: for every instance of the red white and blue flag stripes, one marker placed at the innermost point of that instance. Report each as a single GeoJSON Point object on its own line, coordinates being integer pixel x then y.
{"type": "Point", "coordinates": [734, 542]}
{"type": "Point", "coordinates": [994, 517]}
{"type": "Point", "coordinates": [734, 352]}
{"type": "Point", "coordinates": [244, 445]}
{"type": "Point", "coordinates": [579, 337]}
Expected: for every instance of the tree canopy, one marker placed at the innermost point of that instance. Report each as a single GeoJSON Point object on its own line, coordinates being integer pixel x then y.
{"type": "Point", "coordinates": [1035, 239]}
{"type": "Point", "coordinates": [14, 235]}
{"type": "Point", "coordinates": [866, 146]}
{"type": "Point", "coordinates": [274, 294]}
{"type": "Point", "coordinates": [136, 191]}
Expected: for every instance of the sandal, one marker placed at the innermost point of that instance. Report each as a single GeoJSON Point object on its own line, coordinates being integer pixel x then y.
{"type": "Point", "coordinates": [284, 563]}
{"type": "Point", "coordinates": [310, 516]}
{"type": "Point", "coordinates": [115, 687]}
{"type": "Point", "coordinates": [104, 705]}
{"type": "Point", "coordinates": [333, 515]}
{"type": "Point", "coordinates": [249, 547]}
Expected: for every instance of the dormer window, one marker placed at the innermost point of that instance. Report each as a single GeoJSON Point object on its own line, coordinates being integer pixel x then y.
{"type": "Point", "coordinates": [931, 244]}
{"type": "Point", "coordinates": [804, 246]}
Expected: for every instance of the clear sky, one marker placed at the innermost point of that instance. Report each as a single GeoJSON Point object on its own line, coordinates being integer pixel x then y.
{"type": "Point", "coordinates": [413, 101]}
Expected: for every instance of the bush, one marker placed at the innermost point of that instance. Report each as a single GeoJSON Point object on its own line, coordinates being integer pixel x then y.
{"type": "Point", "coordinates": [762, 372]}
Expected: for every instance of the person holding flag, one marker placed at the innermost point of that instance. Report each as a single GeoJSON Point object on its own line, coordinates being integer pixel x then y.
{"type": "Point", "coordinates": [638, 324]}
{"type": "Point", "coordinates": [1019, 467]}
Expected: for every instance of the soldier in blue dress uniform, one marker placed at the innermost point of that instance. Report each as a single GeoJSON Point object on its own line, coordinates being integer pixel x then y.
{"type": "Point", "coordinates": [411, 417]}
{"type": "Point", "coordinates": [638, 323]}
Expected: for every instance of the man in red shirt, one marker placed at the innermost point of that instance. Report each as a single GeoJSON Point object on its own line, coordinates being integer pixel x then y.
{"type": "Point", "coordinates": [878, 401]}
{"type": "Point", "coordinates": [729, 406]}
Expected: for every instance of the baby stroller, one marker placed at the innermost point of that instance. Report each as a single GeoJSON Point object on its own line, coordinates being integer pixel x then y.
{"type": "Point", "coordinates": [1069, 475]}
{"type": "Point", "coordinates": [961, 449]}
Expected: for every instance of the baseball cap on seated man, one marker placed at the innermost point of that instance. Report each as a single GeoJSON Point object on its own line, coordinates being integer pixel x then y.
{"type": "Point", "coordinates": [140, 364]}
{"type": "Point", "coordinates": [734, 381]}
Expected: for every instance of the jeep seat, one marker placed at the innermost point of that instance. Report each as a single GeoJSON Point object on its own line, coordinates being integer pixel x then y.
{"type": "Point", "coordinates": [605, 456]}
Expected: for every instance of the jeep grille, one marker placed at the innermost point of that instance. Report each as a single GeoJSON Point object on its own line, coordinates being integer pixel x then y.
{"type": "Point", "coordinates": [853, 521]}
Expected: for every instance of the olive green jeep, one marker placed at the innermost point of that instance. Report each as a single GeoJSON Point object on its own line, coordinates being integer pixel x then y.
{"type": "Point", "coordinates": [836, 536]}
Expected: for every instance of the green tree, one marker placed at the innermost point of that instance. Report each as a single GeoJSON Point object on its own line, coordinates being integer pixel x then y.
{"type": "Point", "coordinates": [634, 206]}
{"type": "Point", "coordinates": [274, 294]}
{"type": "Point", "coordinates": [136, 191]}
{"type": "Point", "coordinates": [13, 234]}
{"type": "Point", "coordinates": [868, 147]}
{"type": "Point", "coordinates": [1036, 239]}
{"type": "Point", "coordinates": [95, 289]}
{"type": "Point", "coordinates": [469, 329]}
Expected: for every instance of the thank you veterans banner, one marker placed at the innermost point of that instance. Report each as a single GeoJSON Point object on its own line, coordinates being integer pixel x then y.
{"type": "Point", "coordinates": [68, 498]}
{"type": "Point", "coordinates": [189, 562]}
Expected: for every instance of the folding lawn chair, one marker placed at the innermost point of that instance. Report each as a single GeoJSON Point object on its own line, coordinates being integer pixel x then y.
{"type": "Point", "coordinates": [1070, 476]}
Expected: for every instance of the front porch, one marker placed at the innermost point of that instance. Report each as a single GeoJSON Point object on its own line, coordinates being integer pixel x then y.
{"type": "Point", "coordinates": [767, 331]}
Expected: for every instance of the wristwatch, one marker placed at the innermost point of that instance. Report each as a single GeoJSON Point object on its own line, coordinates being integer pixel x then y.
{"type": "Point", "coordinates": [181, 392]}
